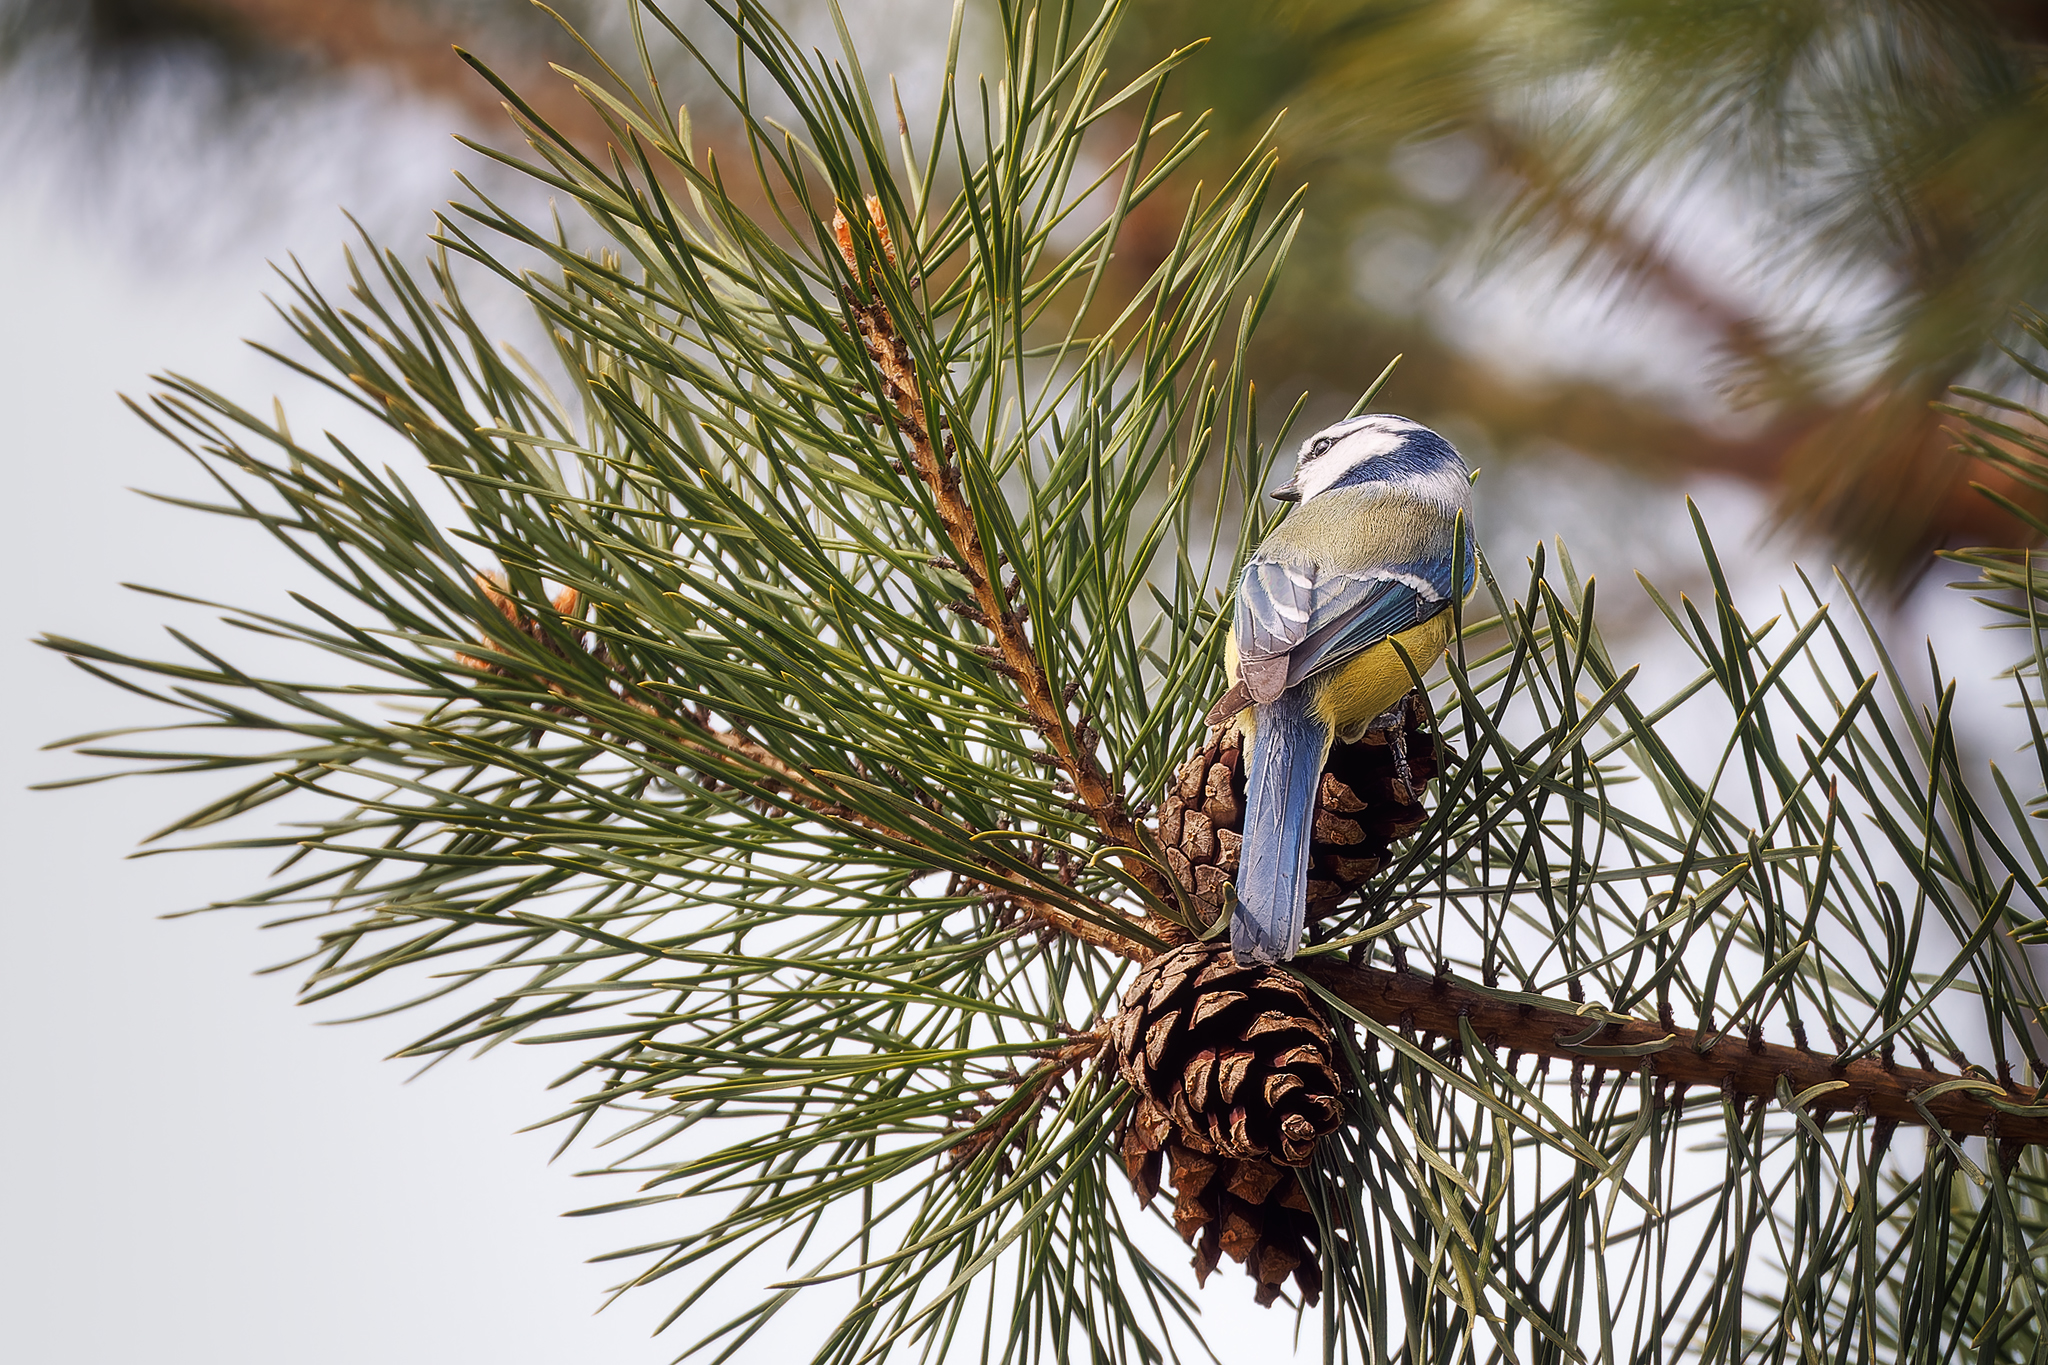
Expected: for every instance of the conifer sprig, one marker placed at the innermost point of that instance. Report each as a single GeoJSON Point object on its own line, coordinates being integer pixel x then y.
{"type": "Point", "coordinates": [773, 731]}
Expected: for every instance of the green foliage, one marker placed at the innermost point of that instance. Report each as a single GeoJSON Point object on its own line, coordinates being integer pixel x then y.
{"type": "Point", "coordinates": [718, 790]}
{"type": "Point", "coordinates": [604, 826]}
{"type": "Point", "coordinates": [1787, 867]}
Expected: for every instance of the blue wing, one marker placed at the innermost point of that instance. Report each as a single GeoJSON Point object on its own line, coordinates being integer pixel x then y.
{"type": "Point", "coordinates": [1294, 620]}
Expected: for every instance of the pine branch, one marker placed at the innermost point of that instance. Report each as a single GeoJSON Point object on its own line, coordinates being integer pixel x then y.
{"type": "Point", "coordinates": [993, 607]}
{"type": "Point", "coordinates": [1745, 1069]}
{"type": "Point", "coordinates": [770, 843]}
{"type": "Point", "coordinates": [805, 793]}
{"type": "Point", "coordinates": [1030, 1095]}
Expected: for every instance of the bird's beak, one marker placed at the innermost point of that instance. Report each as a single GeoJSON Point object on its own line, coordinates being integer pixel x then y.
{"type": "Point", "coordinates": [1288, 492]}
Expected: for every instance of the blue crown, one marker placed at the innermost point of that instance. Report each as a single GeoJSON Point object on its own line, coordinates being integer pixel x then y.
{"type": "Point", "coordinates": [1420, 451]}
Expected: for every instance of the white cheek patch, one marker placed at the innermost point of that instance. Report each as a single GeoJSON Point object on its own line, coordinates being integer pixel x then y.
{"type": "Point", "coordinates": [1319, 474]}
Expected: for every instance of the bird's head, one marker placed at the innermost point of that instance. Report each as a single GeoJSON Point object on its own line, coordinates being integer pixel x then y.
{"type": "Point", "coordinates": [1378, 448]}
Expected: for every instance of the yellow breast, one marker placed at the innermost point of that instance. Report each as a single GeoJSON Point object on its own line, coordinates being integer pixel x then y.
{"type": "Point", "coordinates": [1376, 679]}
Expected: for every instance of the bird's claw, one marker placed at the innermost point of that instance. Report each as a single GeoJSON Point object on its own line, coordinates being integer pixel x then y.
{"type": "Point", "coordinates": [1394, 723]}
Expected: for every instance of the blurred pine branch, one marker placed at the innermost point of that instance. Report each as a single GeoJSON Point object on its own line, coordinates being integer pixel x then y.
{"type": "Point", "coordinates": [1882, 151]}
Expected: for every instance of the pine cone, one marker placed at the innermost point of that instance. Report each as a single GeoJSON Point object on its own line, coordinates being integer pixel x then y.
{"type": "Point", "coordinates": [1236, 1080]}
{"type": "Point", "coordinates": [1362, 807]}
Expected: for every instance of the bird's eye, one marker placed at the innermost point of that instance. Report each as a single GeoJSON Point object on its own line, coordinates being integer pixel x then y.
{"type": "Point", "coordinates": [1320, 445]}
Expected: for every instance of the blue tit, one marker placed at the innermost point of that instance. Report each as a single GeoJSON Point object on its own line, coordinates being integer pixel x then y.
{"type": "Point", "coordinates": [1364, 563]}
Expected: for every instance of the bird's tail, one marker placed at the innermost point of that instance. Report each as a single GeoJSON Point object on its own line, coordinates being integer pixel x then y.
{"type": "Point", "coordinates": [1289, 746]}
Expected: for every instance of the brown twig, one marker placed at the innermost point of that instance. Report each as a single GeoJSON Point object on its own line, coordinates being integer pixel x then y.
{"type": "Point", "coordinates": [808, 792]}
{"type": "Point", "coordinates": [992, 609]}
{"type": "Point", "coordinates": [1031, 1091]}
{"type": "Point", "coordinates": [1086, 930]}
{"type": "Point", "coordinates": [1743, 1066]}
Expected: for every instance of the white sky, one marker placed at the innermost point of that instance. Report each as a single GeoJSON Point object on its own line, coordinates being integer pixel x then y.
{"type": "Point", "coordinates": [195, 1172]}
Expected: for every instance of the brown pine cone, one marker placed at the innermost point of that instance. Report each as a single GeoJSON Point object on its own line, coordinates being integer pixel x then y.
{"type": "Point", "coordinates": [1252, 1210]}
{"type": "Point", "coordinates": [1236, 1077]}
{"type": "Point", "coordinates": [1363, 806]}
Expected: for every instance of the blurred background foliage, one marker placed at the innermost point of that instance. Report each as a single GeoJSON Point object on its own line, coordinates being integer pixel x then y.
{"type": "Point", "coordinates": [1844, 202]}
{"type": "Point", "coordinates": [1799, 222]}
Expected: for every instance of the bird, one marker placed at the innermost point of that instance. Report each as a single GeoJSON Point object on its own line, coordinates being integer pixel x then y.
{"type": "Point", "coordinates": [1362, 564]}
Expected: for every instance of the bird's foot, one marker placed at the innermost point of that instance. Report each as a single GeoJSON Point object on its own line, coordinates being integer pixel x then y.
{"type": "Point", "coordinates": [1394, 723]}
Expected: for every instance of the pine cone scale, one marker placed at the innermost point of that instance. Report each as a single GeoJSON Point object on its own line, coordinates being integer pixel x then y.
{"type": "Point", "coordinates": [1201, 1071]}
{"type": "Point", "coordinates": [1236, 1066]}
{"type": "Point", "coordinates": [1159, 1037]}
{"type": "Point", "coordinates": [1279, 1085]}
{"type": "Point", "coordinates": [1335, 829]}
{"type": "Point", "coordinates": [1273, 1021]}
{"type": "Point", "coordinates": [1252, 1181]}
{"type": "Point", "coordinates": [1240, 1234]}
{"type": "Point", "coordinates": [1229, 843]}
